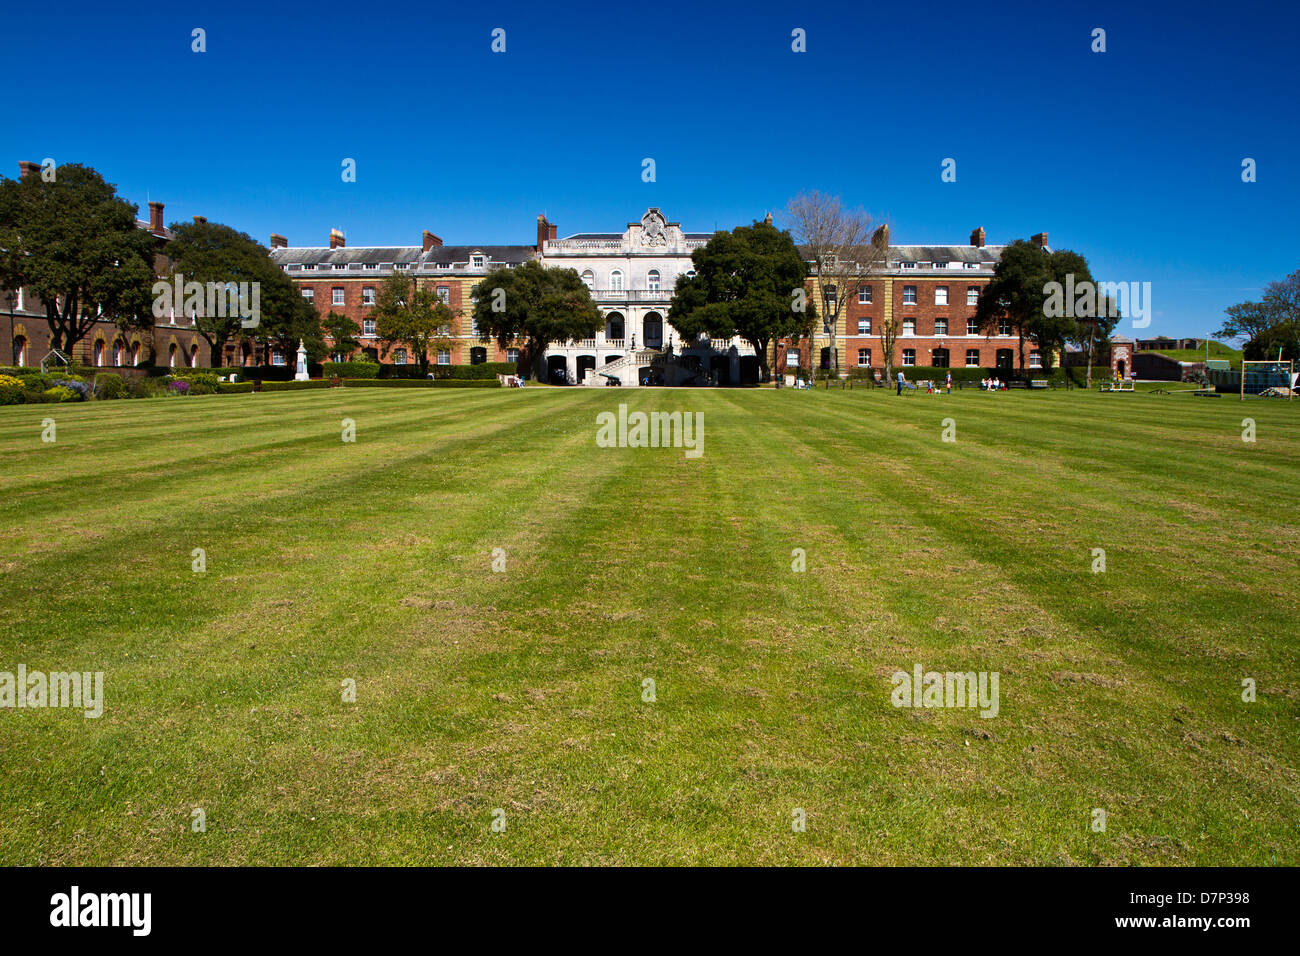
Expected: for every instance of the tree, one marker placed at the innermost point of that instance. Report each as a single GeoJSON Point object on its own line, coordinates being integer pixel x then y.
{"type": "Point", "coordinates": [206, 252]}
{"type": "Point", "coordinates": [406, 313]}
{"type": "Point", "coordinates": [748, 283]}
{"type": "Point", "coordinates": [843, 249]}
{"type": "Point", "coordinates": [342, 333]}
{"type": "Point", "coordinates": [889, 329]}
{"type": "Point", "coordinates": [1051, 328]}
{"type": "Point", "coordinates": [287, 319]}
{"type": "Point", "coordinates": [1273, 323]}
{"type": "Point", "coordinates": [1015, 293]}
{"type": "Point", "coordinates": [535, 306]}
{"type": "Point", "coordinates": [75, 244]}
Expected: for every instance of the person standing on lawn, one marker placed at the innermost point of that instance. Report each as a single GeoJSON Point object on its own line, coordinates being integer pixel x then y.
{"type": "Point", "coordinates": [900, 381]}
{"type": "Point", "coordinates": [949, 384]}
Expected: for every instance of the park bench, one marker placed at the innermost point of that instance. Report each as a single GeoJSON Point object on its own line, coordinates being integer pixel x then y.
{"type": "Point", "coordinates": [1038, 383]}
{"type": "Point", "coordinates": [1017, 383]}
{"type": "Point", "coordinates": [1115, 387]}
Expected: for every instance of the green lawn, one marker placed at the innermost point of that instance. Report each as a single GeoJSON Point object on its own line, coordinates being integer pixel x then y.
{"type": "Point", "coordinates": [1217, 351]}
{"type": "Point", "coordinates": [522, 690]}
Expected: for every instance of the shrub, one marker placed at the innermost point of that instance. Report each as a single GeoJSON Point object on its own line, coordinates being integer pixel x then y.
{"type": "Point", "coordinates": [197, 377]}
{"type": "Point", "coordinates": [109, 385]}
{"type": "Point", "coordinates": [179, 387]}
{"type": "Point", "coordinates": [387, 383]}
{"type": "Point", "coordinates": [351, 369]}
{"type": "Point", "coordinates": [234, 388]}
{"type": "Point", "coordinates": [60, 393]}
{"type": "Point", "coordinates": [294, 386]}
{"type": "Point", "coordinates": [482, 370]}
{"type": "Point", "coordinates": [11, 390]}
{"type": "Point", "coordinates": [402, 371]}
{"type": "Point", "coordinates": [75, 385]}
{"type": "Point", "coordinates": [148, 388]}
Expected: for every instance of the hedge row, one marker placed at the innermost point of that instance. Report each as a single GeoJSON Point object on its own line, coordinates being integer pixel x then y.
{"type": "Point", "coordinates": [351, 369]}
{"type": "Point", "coordinates": [421, 383]}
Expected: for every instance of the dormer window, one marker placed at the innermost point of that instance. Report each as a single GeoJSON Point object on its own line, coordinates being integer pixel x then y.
{"type": "Point", "coordinates": [477, 261]}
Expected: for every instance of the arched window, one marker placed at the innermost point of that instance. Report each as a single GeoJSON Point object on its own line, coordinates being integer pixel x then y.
{"type": "Point", "coordinates": [194, 356]}
{"type": "Point", "coordinates": [652, 280]}
{"type": "Point", "coordinates": [20, 351]}
{"type": "Point", "coordinates": [135, 353]}
{"type": "Point", "coordinates": [119, 352]}
{"type": "Point", "coordinates": [589, 278]}
{"type": "Point", "coordinates": [99, 352]}
{"type": "Point", "coordinates": [614, 325]}
{"type": "Point", "coordinates": [616, 281]}
{"type": "Point", "coordinates": [171, 355]}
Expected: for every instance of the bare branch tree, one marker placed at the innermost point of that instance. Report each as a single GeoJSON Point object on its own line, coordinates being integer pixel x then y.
{"type": "Point", "coordinates": [844, 250]}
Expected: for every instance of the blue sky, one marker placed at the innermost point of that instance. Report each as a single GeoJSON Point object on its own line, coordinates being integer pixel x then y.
{"type": "Point", "coordinates": [1131, 157]}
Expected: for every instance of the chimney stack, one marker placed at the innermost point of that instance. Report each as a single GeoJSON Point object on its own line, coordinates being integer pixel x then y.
{"type": "Point", "coordinates": [278, 241]}
{"type": "Point", "coordinates": [554, 229]}
{"type": "Point", "coordinates": [881, 236]}
{"type": "Point", "coordinates": [1040, 240]}
{"type": "Point", "coordinates": [336, 239]}
{"type": "Point", "coordinates": [543, 231]}
{"type": "Point", "coordinates": [430, 240]}
{"type": "Point", "coordinates": [977, 238]}
{"type": "Point", "coordinates": [26, 166]}
{"type": "Point", "coordinates": [155, 217]}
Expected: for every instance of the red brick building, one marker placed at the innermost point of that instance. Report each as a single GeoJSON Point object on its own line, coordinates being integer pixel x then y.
{"type": "Point", "coordinates": [932, 293]}
{"type": "Point", "coordinates": [347, 281]}
{"type": "Point", "coordinates": [171, 342]}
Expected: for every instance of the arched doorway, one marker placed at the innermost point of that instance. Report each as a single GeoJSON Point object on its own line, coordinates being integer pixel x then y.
{"type": "Point", "coordinates": [557, 370]}
{"type": "Point", "coordinates": [653, 328]}
{"type": "Point", "coordinates": [585, 364]}
{"type": "Point", "coordinates": [477, 355]}
{"type": "Point", "coordinates": [245, 353]}
{"type": "Point", "coordinates": [1119, 369]}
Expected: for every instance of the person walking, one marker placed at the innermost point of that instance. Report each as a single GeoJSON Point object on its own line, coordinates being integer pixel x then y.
{"type": "Point", "coordinates": [900, 381]}
{"type": "Point", "coordinates": [950, 383]}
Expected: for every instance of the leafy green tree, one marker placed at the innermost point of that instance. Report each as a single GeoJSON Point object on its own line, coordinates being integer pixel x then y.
{"type": "Point", "coordinates": [342, 332]}
{"type": "Point", "coordinates": [1272, 323]}
{"type": "Point", "coordinates": [75, 244]}
{"type": "Point", "coordinates": [1015, 293]}
{"type": "Point", "coordinates": [408, 314]}
{"type": "Point", "coordinates": [287, 319]}
{"type": "Point", "coordinates": [1050, 332]}
{"type": "Point", "coordinates": [535, 306]}
{"type": "Point", "coordinates": [206, 252]}
{"type": "Point", "coordinates": [748, 283]}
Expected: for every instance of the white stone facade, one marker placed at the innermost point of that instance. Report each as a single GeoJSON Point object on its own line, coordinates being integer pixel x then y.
{"type": "Point", "coordinates": [631, 276]}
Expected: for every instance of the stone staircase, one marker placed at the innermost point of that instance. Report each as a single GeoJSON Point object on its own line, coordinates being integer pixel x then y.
{"type": "Point", "coordinates": [629, 366]}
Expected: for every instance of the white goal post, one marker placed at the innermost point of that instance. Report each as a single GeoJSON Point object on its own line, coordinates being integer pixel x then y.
{"type": "Point", "coordinates": [1268, 377]}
